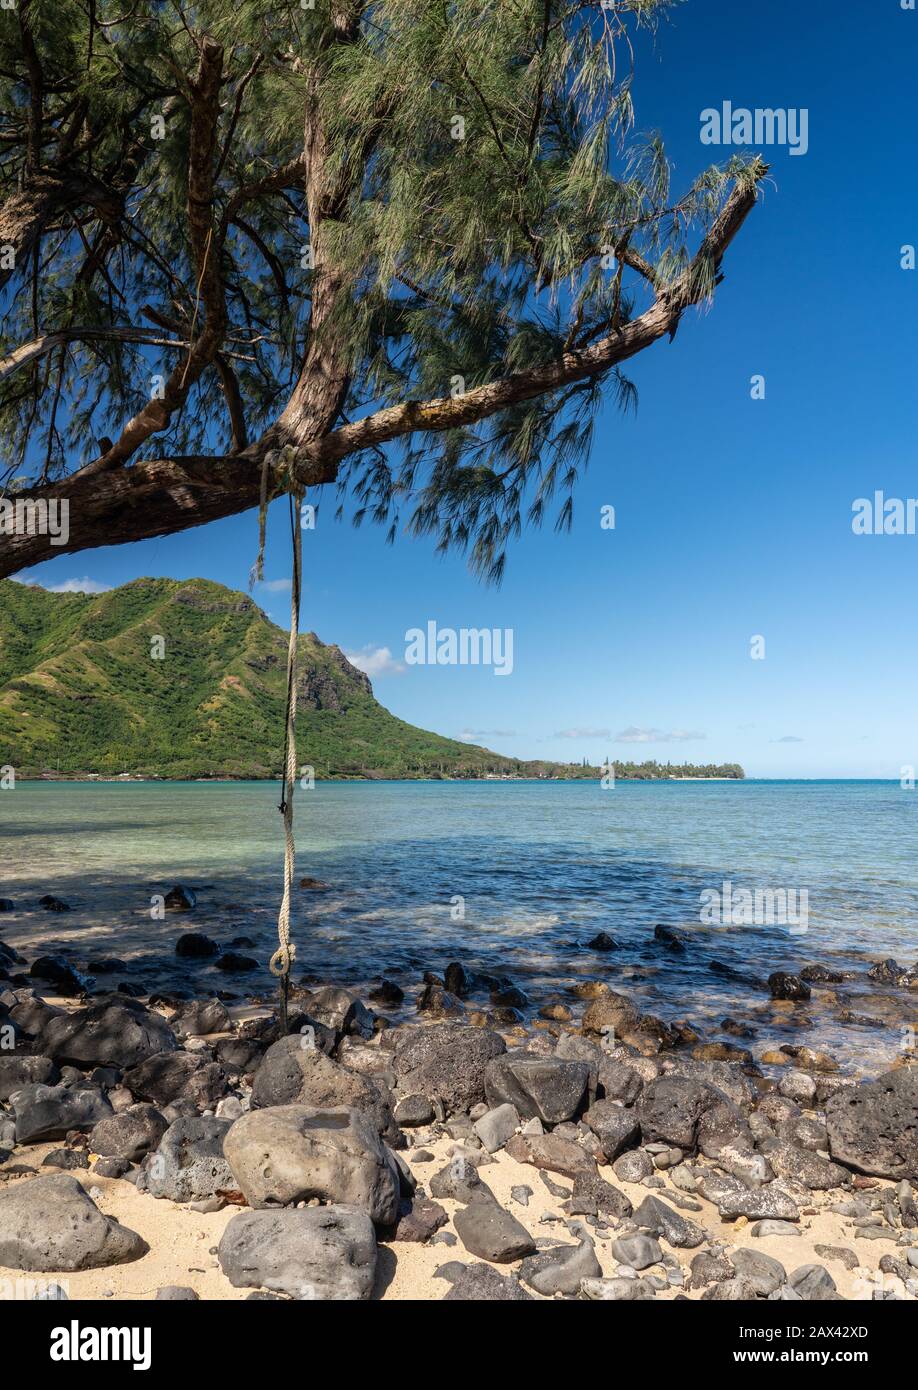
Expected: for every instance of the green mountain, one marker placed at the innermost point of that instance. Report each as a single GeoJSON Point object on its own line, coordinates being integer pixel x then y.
{"type": "Point", "coordinates": [180, 679]}
{"type": "Point", "coordinates": [82, 692]}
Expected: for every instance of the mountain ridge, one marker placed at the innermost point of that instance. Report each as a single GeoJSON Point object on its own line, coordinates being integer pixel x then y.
{"type": "Point", "coordinates": [182, 679]}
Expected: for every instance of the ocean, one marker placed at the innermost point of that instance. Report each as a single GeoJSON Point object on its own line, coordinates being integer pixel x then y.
{"type": "Point", "coordinates": [514, 878]}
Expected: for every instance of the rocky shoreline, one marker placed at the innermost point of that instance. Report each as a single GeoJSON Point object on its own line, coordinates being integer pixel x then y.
{"type": "Point", "coordinates": [182, 1147]}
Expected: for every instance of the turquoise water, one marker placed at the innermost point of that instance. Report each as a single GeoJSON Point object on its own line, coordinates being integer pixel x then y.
{"type": "Point", "coordinates": [540, 867]}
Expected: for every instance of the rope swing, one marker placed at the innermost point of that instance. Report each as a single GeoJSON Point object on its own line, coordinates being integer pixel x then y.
{"type": "Point", "coordinates": [282, 960]}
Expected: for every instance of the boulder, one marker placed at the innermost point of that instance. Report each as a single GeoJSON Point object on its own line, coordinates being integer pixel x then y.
{"type": "Point", "coordinates": [49, 1112]}
{"type": "Point", "coordinates": [873, 1127]}
{"type": "Point", "coordinates": [235, 964]}
{"type": "Point", "coordinates": [803, 1165]}
{"type": "Point", "coordinates": [180, 899]}
{"type": "Point", "coordinates": [16, 1072]}
{"type": "Point", "coordinates": [291, 1074]}
{"type": "Point", "coordinates": [547, 1088]}
{"type": "Point", "coordinates": [486, 1229]}
{"type": "Point", "coordinates": [326, 1253]}
{"type": "Point", "coordinates": [123, 1034]}
{"type": "Point", "coordinates": [199, 1017]}
{"type": "Point", "coordinates": [167, 1077]}
{"type": "Point", "coordinates": [496, 1126]}
{"type": "Point", "coordinates": [762, 1273]}
{"type": "Point", "coordinates": [551, 1151]}
{"type": "Point", "coordinates": [561, 1269]}
{"type": "Point", "coordinates": [610, 1011]}
{"type": "Point", "coordinates": [290, 1153]}
{"type": "Point", "coordinates": [671, 1108]}
{"type": "Point", "coordinates": [50, 1223]}
{"type": "Point", "coordinates": [130, 1134]}
{"type": "Point", "coordinates": [447, 1062]}
{"type": "Point", "coordinates": [481, 1283]}
{"type": "Point", "coordinates": [783, 985]}
{"type": "Point", "coordinates": [615, 1127]}
{"type": "Point", "coordinates": [189, 1164]}
{"type": "Point", "coordinates": [660, 1219]}
{"type": "Point", "coordinates": [194, 945]}
{"type": "Point", "coordinates": [593, 1196]}
{"type": "Point", "coordinates": [60, 974]}
{"type": "Point", "coordinates": [341, 1011]}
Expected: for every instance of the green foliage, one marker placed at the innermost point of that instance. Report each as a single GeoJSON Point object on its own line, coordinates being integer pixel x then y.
{"type": "Point", "coordinates": [461, 259]}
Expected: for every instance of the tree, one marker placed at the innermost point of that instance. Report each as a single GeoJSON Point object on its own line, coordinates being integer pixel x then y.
{"type": "Point", "coordinates": [247, 246]}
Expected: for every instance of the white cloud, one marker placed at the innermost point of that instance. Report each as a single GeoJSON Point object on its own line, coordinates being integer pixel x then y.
{"type": "Point", "coordinates": [375, 661]}
{"type": "Point", "coordinates": [78, 586]}
{"type": "Point", "coordinates": [582, 733]}
{"type": "Point", "coordinates": [788, 738]}
{"type": "Point", "coordinates": [635, 735]}
{"type": "Point", "coordinates": [469, 735]}
{"type": "Point", "coordinates": [274, 586]}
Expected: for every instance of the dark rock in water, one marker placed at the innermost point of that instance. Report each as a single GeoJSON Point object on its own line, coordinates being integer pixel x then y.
{"type": "Point", "coordinates": [105, 965]}
{"type": "Point", "coordinates": [313, 885]}
{"type": "Point", "coordinates": [60, 974]}
{"type": "Point", "coordinates": [508, 996]}
{"type": "Point", "coordinates": [290, 1153]}
{"type": "Point", "coordinates": [242, 943]}
{"type": "Point", "coordinates": [602, 942]}
{"type": "Point", "coordinates": [593, 1196]}
{"type": "Point", "coordinates": [481, 1283]}
{"type": "Point", "coordinates": [232, 961]}
{"type": "Point", "coordinates": [822, 975]}
{"type": "Point", "coordinates": [189, 1164]}
{"type": "Point", "coordinates": [314, 1253]}
{"type": "Point", "coordinates": [736, 1029]}
{"type": "Point", "coordinates": [293, 1074]}
{"type": "Point", "coordinates": [438, 1002]}
{"type": "Point", "coordinates": [198, 1017]}
{"type": "Point", "coordinates": [172, 1076]}
{"type": "Point", "coordinates": [7, 905]}
{"type": "Point", "coordinates": [783, 985]}
{"type": "Point", "coordinates": [196, 945]}
{"type": "Point", "coordinates": [459, 981]}
{"type": "Point", "coordinates": [180, 899]}
{"type": "Point", "coordinates": [387, 993]}
{"type": "Point", "coordinates": [52, 904]}
{"type": "Point", "coordinates": [486, 1229]}
{"type": "Point", "coordinates": [123, 1033]}
{"type": "Point", "coordinates": [66, 1159]}
{"type": "Point", "coordinates": [890, 972]}
{"type": "Point", "coordinates": [729, 972]}
{"type": "Point", "coordinates": [50, 1112]}
{"type": "Point", "coordinates": [16, 1072]}
{"type": "Point", "coordinates": [51, 1223]}
{"type": "Point", "coordinates": [130, 1134]}
{"type": "Point", "coordinates": [128, 987]}
{"type": "Point", "coordinates": [447, 1062]}
{"type": "Point", "coordinates": [547, 1088]}
{"type": "Point", "coordinates": [873, 1127]}
{"type": "Point", "coordinates": [672, 940]}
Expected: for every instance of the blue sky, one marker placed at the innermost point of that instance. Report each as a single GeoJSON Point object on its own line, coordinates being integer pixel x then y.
{"type": "Point", "coordinates": [733, 516]}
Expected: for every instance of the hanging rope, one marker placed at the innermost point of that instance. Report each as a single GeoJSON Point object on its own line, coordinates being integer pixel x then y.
{"type": "Point", "coordinates": [281, 962]}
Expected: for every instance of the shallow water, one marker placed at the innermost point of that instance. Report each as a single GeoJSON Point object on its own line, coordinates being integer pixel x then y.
{"type": "Point", "coordinates": [537, 868]}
